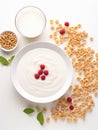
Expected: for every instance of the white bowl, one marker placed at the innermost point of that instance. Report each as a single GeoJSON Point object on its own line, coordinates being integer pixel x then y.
{"type": "Point", "coordinates": [29, 96]}
{"type": "Point", "coordinates": [30, 21]}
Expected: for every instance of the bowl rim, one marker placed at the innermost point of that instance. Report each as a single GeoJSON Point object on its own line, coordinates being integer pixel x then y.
{"type": "Point", "coordinates": [28, 96]}
{"type": "Point", "coordinates": [38, 9]}
{"type": "Point", "coordinates": [8, 50]}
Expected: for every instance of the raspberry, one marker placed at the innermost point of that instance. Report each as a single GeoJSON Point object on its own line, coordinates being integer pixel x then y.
{"type": "Point", "coordinates": [43, 77]}
{"type": "Point", "coordinates": [71, 107]}
{"type": "Point", "coordinates": [46, 72]}
{"type": "Point", "coordinates": [66, 24]}
{"type": "Point", "coordinates": [36, 76]}
{"type": "Point", "coordinates": [40, 72]}
{"type": "Point", "coordinates": [42, 66]}
{"type": "Point", "coordinates": [69, 99]}
{"type": "Point", "coordinates": [62, 31]}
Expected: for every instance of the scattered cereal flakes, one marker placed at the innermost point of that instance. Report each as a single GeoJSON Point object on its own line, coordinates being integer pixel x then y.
{"type": "Point", "coordinates": [85, 63]}
{"type": "Point", "coordinates": [55, 34]}
{"type": "Point", "coordinates": [60, 25]}
{"type": "Point", "coordinates": [91, 39]}
{"type": "Point", "coordinates": [70, 87]}
{"type": "Point", "coordinates": [95, 94]}
{"type": "Point", "coordinates": [56, 21]}
{"type": "Point", "coordinates": [51, 21]}
{"type": "Point", "coordinates": [57, 41]}
{"type": "Point", "coordinates": [96, 54]}
{"type": "Point", "coordinates": [74, 119]}
{"type": "Point", "coordinates": [52, 27]}
{"type": "Point", "coordinates": [79, 25]}
{"type": "Point", "coordinates": [44, 110]}
{"type": "Point", "coordinates": [51, 36]}
{"type": "Point", "coordinates": [48, 119]}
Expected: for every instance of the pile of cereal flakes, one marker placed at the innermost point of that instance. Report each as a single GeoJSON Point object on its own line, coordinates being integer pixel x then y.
{"type": "Point", "coordinates": [85, 62]}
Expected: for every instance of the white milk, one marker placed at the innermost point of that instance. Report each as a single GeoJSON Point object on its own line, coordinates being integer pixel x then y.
{"type": "Point", "coordinates": [30, 21]}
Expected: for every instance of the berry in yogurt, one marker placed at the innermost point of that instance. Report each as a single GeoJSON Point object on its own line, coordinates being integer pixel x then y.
{"type": "Point", "coordinates": [40, 72]}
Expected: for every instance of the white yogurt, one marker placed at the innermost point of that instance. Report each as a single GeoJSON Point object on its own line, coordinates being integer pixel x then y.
{"type": "Point", "coordinates": [29, 65]}
{"type": "Point", "coordinates": [30, 21]}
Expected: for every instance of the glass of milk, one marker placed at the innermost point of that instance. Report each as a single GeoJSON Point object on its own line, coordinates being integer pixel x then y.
{"type": "Point", "coordinates": [30, 21]}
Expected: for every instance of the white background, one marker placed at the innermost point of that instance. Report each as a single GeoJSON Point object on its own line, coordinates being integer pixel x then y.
{"type": "Point", "coordinates": [12, 104]}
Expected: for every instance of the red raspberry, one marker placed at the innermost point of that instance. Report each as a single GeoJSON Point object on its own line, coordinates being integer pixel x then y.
{"type": "Point", "coordinates": [71, 107]}
{"type": "Point", "coordinates": [36, 76]}
{"type": "Point", "coordinates": [46, 72]}
{"type": "Point", "coordinates": [40, 72]}
{"type": "Point", "coordinates": [66, 24]}
{"type": "Point", "coordinates": [62, 31]}
{"type": "Point", "coordinates": [42, 66]}
{"type": "Point", "coordinates": [69, 99]}
{"type": "Point", "coordinates": [43, 77]}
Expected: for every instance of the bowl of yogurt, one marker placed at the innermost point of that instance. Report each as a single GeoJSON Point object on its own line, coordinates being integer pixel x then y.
{"type": "Point", "coordinates": [30, 21]}
{"type": "Point", "coordinates": [41, 72]}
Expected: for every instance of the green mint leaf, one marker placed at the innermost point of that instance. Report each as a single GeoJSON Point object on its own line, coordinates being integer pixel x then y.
{"type": "Point", "coordinates": [11, 59]}
{"type": "Point", "coordinates": [40, 118]}
{"type": "Point", "coordinates": [28, 110]}
{"type": "Point", "coordinates": [3, 61]}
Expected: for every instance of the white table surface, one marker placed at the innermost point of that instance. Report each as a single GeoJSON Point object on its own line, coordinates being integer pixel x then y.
{"type": "Point", "coordinates": [12, 104]}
